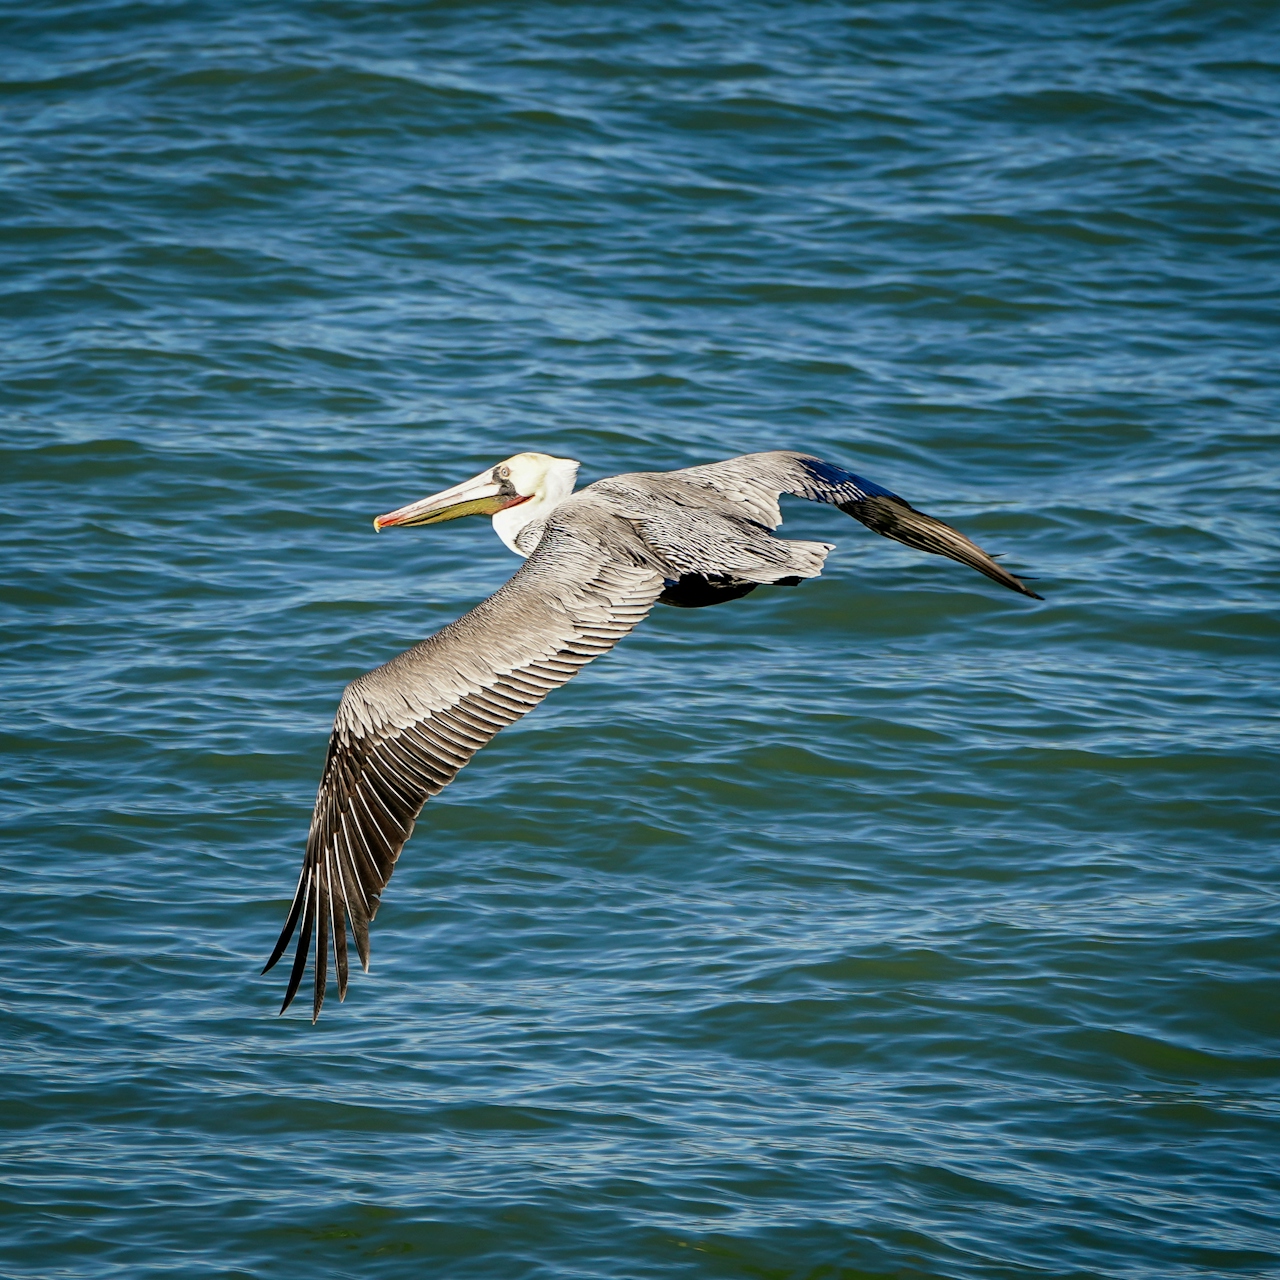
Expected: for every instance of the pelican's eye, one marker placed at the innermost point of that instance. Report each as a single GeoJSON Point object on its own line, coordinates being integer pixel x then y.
{"type": "Point", "coordinates": [504, 473]}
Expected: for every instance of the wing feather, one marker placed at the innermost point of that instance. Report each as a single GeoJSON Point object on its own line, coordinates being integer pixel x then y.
{"type": "Point", "coordinates": [403, 731]}
{"type": "Point", "coordinates": [756, 479]}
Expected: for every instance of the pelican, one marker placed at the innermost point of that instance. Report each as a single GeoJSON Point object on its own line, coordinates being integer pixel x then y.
{"type": "Point", "coordinates": [596, 562]}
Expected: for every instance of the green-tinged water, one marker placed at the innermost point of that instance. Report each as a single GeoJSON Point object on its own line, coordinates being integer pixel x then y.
{"type": "Point", "coordinates": [894, 925]}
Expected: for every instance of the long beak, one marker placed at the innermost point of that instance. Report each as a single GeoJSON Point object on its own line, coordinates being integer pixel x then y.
{"type": "Point", "coordinates": [480, 496]}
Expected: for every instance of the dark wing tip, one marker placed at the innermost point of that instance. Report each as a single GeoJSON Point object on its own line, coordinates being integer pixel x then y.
{"type": "Point", "coordinates": [895, 518]}
{"type": "Point", "coordinates": [290, 924]}
{"type": "Point", "coordinates": [301, 910]}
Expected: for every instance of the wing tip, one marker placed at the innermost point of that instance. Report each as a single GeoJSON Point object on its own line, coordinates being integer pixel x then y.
{"type": "Point", "coordinates": [894, 517]}
{"type": "Point", "coordinates": [1005, 579]}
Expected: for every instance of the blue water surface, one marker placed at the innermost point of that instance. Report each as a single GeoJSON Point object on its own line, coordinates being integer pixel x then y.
{"type": "Point", "coordinates": [895, 925]}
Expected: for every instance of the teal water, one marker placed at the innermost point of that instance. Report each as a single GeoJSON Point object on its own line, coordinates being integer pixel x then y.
{"type": "Point", "coordinates": [890, 926]}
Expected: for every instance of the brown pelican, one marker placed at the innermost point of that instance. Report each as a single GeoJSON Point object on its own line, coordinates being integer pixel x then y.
{"type": "Point", "coordinates": [596, 562]}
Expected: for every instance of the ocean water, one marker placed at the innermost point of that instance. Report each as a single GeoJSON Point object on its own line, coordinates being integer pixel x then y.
{"type": "Point", "coordinates": [894, 925]}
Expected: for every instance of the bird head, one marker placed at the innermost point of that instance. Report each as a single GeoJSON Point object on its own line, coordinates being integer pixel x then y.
{"type": "Point", "coordinates": [515, 492]}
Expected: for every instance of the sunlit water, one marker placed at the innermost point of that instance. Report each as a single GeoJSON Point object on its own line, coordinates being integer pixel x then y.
{"type": "Point", "coordinates": [891, 926]}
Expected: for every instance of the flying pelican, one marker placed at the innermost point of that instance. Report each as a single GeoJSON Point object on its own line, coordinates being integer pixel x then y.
{"type": "Point", "coordinates": [596, 562]}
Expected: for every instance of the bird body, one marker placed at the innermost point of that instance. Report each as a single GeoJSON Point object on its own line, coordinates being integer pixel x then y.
{"type": "Point", "coordinates": [596, 562]}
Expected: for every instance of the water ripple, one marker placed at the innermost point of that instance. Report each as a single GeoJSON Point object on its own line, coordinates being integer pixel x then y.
{"type": "Point", "coordinates": [882, 927]}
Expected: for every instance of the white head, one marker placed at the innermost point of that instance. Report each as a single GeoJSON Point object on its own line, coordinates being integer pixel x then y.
{"type": "Point", "coordinates": [515, 493]}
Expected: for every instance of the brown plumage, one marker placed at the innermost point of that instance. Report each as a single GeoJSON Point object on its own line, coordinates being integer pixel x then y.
{"type": "Point", "coordinates": [598, 560]}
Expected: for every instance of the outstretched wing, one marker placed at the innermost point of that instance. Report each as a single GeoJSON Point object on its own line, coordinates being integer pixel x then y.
{"type": "Point", "coordinates": [756, 479]}
{"type": "Point", "coordinates": [403, 731]}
